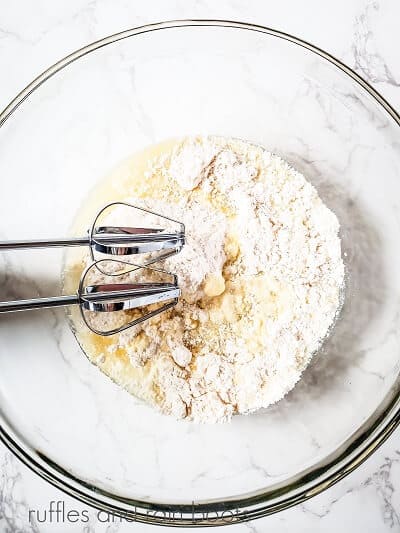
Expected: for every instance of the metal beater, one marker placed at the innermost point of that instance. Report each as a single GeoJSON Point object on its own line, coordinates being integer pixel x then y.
{"type": "Point", "coordinates": [116, 240]}
{"type": "Point", "coordinates": [153, 244]}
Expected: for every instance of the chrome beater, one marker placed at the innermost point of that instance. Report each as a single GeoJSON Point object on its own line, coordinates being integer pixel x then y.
{"type": "Point", "coordinates": [116, 240]}
{"type": "Point", "coordinates": [127, 296]}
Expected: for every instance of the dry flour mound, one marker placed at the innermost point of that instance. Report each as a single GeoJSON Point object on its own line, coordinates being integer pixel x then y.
{"type": "Point", "coordinates": [261, 277]}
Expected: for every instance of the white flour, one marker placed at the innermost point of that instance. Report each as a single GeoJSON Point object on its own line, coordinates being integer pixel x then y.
{"type": "Point", "coordinates": [261, 277]}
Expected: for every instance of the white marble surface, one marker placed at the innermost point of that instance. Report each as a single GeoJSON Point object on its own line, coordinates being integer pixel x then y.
{"type": "Point", "coordinates": [362, 33]}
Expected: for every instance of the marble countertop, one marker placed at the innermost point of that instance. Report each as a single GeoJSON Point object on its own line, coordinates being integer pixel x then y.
{"type": "Point", "coordinates": [362, 33]}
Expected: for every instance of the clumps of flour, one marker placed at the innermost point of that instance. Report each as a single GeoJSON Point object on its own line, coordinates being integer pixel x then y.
{"type": "Point", "coordinates": [261, 277]}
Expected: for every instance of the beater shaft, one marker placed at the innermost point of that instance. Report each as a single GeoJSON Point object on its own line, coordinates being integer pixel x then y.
{"type": "Point", "coordinates": [100, 238]}
{"type": "Point", "coordinates": [102, 298]}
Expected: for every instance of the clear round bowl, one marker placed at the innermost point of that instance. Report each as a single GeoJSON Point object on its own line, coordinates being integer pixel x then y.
{"type": "Point", "coordinates": [64, 132]}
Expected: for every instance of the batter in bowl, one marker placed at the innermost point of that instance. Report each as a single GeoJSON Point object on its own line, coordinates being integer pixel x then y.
{"type": "Point", "coordinates": [261, 277]}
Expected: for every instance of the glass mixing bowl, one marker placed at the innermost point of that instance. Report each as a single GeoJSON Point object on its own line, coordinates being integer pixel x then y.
{"type": "Point", "coordinates": [66, 130]}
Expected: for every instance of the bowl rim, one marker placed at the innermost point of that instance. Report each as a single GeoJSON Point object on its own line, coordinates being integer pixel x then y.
{"type": "Point", "coordinates": [310, 482]}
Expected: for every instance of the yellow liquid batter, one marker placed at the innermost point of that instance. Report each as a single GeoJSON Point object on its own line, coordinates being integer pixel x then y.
{"type": "Point", "coordinates": [218, 352]}
{"type": "Point", "coordinates": [134, 177]}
